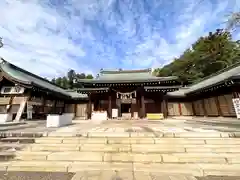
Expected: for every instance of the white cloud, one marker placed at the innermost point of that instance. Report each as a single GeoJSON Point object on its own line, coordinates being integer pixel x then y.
{"type": "Point", "coordinates": [88, 35]}
{"type": "Point", "coordinates": [30, 40]}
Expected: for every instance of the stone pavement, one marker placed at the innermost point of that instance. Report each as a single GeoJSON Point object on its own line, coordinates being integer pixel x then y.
{"type": "Point", "coordinates": [128, 175]}
{"type": "Point", "coordinates": [36, 175]}
{"type": "Point", "coordinates": [130, 147]}
{"type": "Point", "coordinates": [104, 175]}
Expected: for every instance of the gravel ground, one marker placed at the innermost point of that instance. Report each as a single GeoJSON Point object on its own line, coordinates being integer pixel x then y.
{"type": "Point", "coordinates": [219, 178]}
{"type": "Point", "coordinates": [35, 175]}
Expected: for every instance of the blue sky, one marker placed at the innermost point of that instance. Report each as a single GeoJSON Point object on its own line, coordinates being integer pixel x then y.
{"type": "Point", "coordinates": [49, 37]}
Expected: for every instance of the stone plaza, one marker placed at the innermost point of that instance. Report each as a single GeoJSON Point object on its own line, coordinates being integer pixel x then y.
{"type": "Point", "coordinates": [126, 149]}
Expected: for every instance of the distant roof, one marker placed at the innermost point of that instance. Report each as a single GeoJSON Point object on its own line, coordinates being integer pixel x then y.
{"type": "Point", "coordinates": [75, 95]}
{"type": "Point", "coordinates": [24, 77]}
{"type": "Point", "coordinates": [231, 72]}
{"type": "Point", "coordinates": [111, 76]}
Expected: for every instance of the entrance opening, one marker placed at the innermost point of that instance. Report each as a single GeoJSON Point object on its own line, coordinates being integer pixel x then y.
{"type": "Point", "coordinates": [125, 108]}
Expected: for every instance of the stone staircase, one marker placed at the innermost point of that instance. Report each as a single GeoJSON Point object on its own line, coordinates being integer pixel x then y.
{"type": "Point", "coordinates": [199, 154]}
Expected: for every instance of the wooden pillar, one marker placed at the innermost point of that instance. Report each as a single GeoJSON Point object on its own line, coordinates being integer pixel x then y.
{"type": "Point", "coordinates": [143, 104]}
{"type": "Point", "coordinates": [118, 103]}
{"type": "Point", "coordinates": [63, 108]}
{"type": "Point", "coordinates": [54, 107]}
{"type": "Point", "coordinates": [204, 108]}
{"type": "Point", "coordinates": [193, 108]}
{"type": "Point", "coordinates": [89, 108]}
{"type": "Point", "coordinates": [180, 109]}
{"type": "Point", "coordinates": [218, 106]}
{"type": "Point", "coordinates": [110, 105]}
{"type": "Point", "coordinates": [164, 106]}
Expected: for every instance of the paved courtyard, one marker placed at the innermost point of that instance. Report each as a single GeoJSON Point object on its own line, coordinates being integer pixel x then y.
{"type": "Point", "coordinates": [128, 145]}
{"type": "Point", "coordinates": [155, 127]}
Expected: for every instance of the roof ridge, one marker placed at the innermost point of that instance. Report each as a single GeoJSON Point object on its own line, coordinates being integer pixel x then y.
{"type": "Point", "coordinates": [149, 70]}
{"type": "Point", "coordinates": [27, 72]}
{"type": "Point", "coordinates": [217, 73]}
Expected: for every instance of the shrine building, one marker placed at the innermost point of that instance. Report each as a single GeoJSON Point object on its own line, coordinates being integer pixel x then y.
{"type": "Point", "coordinates": [118, 94]}
{"type": "Point", "coordinates": [135, 94]}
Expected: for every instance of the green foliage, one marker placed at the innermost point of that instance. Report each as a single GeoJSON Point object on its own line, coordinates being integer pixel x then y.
{"type": "Point", "coordinates": [67, 82]}
{"type": "Point", "coordinates": [89, 76]}
{"type": "Point", "coordinates": [207, 55]}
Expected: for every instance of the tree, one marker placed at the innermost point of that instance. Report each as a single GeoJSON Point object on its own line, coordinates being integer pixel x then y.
{"type": "Point", "coordinates": [207, 55]}
{"type": "Point", "coordinates": [89, 76]}
{"type": "Point", "coordinates": [68, 81]}
{"type": "Point", "coordinates": [53, 80]}
{"type": "Point", "coordinates": [80, 76]}
{"type": "Point", "coordinates": [65, 82]}
{"type": "Point", "coordinates": [71, 76]}
{"type": "Point", "coordinates": [58, 81]}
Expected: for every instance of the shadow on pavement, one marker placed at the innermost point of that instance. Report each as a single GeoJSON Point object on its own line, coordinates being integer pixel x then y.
{"type": "Point", "coordinates": [35, 175]}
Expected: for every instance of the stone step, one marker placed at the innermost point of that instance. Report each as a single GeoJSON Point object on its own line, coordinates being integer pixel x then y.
{"type": "Point", "coordinates": [23, 140]}
{"type": "Point", "coordinates": [5, 155]}
{"type": "Point", "coordinates": [172, 168]}
{"type": "Point", "coordinates": [22, 134]}
{"type": "Point", "coordinates": [167, 134]}
{"type": "Point", "coordinates": [130, 175]}
{"type": "Point", "coordinates": [147, 141]}
{"type": "Point", "coordinates": [137, 148]}
{"type": "Point", "coordinates": [180, 157]}
{"type": "Point", "coordinates": [7, 146]}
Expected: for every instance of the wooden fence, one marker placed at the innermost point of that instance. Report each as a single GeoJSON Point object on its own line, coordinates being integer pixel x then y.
{"type": "Point", "coordinates": [207, 107]}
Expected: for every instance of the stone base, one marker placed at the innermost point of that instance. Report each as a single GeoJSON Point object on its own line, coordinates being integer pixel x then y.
{"type": "Point", "coordinates": [99, 116]}
{"type": "Point", "coordinates": [55, 120]}
{"type": "Point", "coordinates": [5, 118]}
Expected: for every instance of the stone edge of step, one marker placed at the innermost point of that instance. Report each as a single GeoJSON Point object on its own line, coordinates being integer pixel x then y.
{"type": "Point", "coordinates": [123, 135]}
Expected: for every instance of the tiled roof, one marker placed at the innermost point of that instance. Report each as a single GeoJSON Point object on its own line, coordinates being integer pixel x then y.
{"type": "Point", "coordinates": [210, 81]}
{"type": "Point", "coordinates": [125, 76]}
{"type": "Point", "coordinates": [27, 78]}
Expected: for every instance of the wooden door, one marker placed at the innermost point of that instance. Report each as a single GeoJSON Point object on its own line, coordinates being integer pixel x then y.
{"type": "Point", "coordinates": [81, 110]}
{"type": "Point", "coordinates": [198, 108]}
{"type": "Point", "coordinates": [173, 109]}
{"type": "Point", "coordinates": [226, 105]}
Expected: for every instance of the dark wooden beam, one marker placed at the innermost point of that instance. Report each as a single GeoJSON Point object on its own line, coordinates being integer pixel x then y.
{"type": "Point", "coordinates": [89, 107]}
{"type": "Point", "coordinates": [143, 109]}
{"type": "Point", "coordinates": [110, 105]}
{"type": "Point", "coordinates": [204, 108]}
{"type": "Point", "coordinates": [165, 104]}
{"type": "Point", "coordinates": [218, 106]}
{"type": "Point", "coordinates": [193, 108]}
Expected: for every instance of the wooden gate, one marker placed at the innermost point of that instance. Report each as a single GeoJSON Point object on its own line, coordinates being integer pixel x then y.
{"type": "Point", "coordinates": [211, 107]}
{"type": "Point", "coordinates": [173, 109]}
{"type": "Point", "coordinates": [226, 105]}
{"type": "Point", "coordinates": [81, 110]}
{"type": "Point", "coordinates": [198, 108]}
{"type": "Point", "coordinates": [186, 108]}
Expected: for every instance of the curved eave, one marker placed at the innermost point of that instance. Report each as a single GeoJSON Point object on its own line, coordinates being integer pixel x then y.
{"type": "Point", "coordinates": [15, 80]}
{"type": "Point", "coordinates": [88, 81]}
{"type": "Point", "coordinates": [176, 95]}
{"type": "Point", "coordinates": [161, 88]}
{"type": "Point", "coordinates": [215, 86]}
{"type": "Point", "coordinates": [92, 90]}
{"type": "Point", "coordinates": [28, 84]}
{"type": "Point", "coordinates": [51, 91]}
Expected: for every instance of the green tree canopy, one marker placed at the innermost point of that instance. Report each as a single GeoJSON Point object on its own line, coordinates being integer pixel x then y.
{"type": "Point", "coordinates": [207, 55]}
{"type": "Point", "coordinates": [67, 81]}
